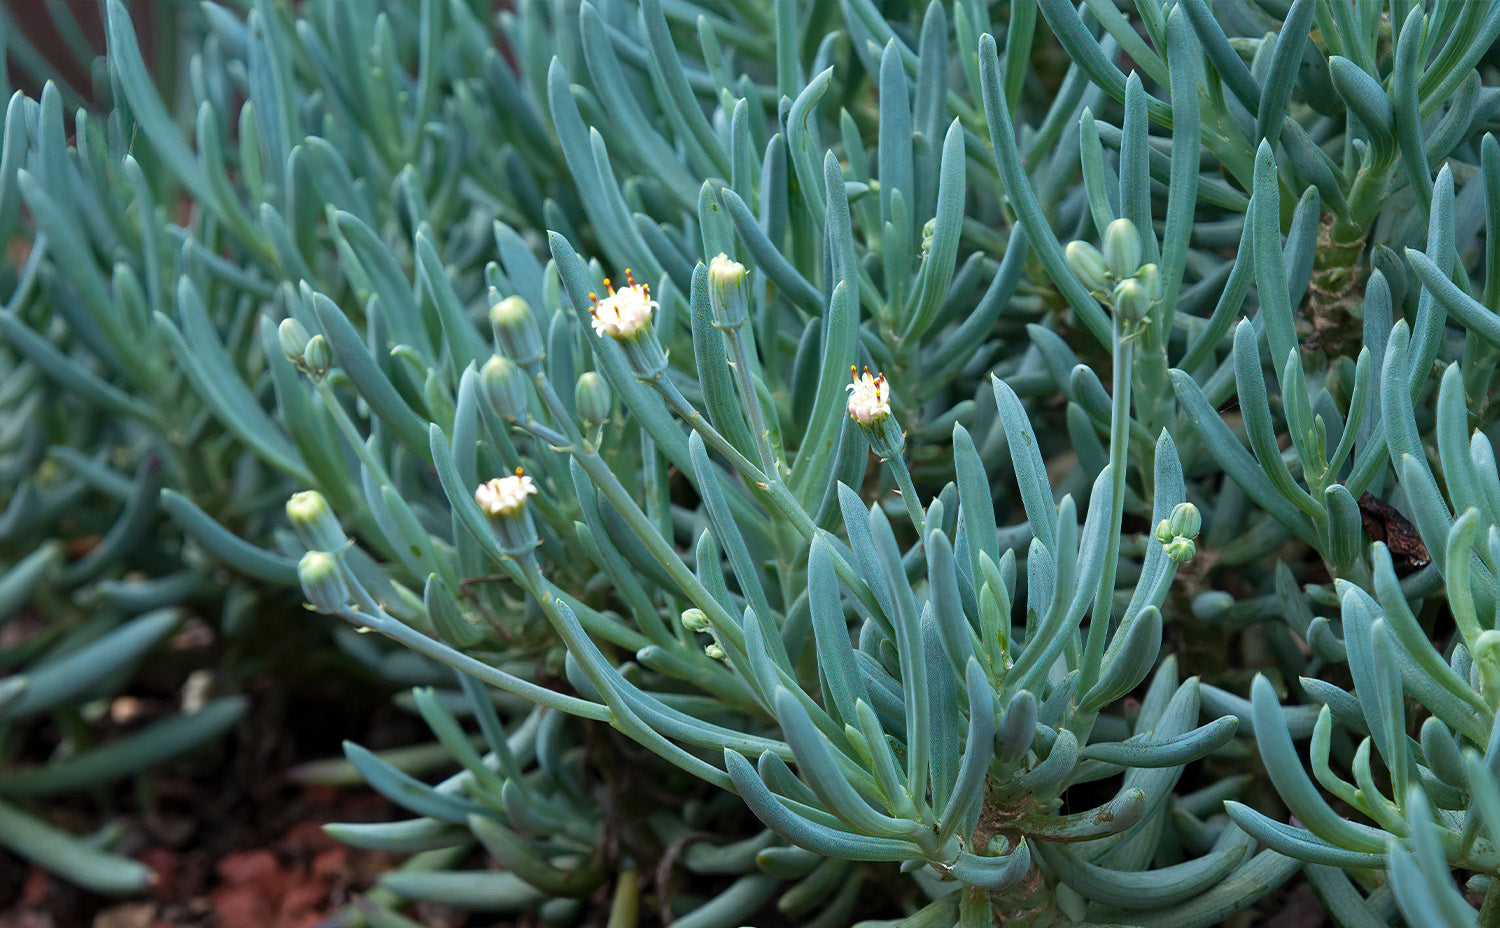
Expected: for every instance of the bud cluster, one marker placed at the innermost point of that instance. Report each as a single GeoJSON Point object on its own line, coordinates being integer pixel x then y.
{"type": "Point", "coordinates": [310, 353]}
{"type": "Point", "coordinates": [1176, 533]}
{"type": "Point", "coordinates": [1115, 276]}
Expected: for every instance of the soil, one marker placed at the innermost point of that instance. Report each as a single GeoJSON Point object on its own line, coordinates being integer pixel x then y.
{"type": "Point", "coordinates": [233, 837]}
{"type": "Point", "coordinates": [233, 841]}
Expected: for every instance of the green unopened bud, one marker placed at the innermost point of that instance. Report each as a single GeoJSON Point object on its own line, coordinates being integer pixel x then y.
{"type": "Point", "coordinates": [1150, 277]}
{"type": "Point", "coordinates": [1487, 666]}
{"type": "Point", "coordinates": [323, 581]}
{"type": "Point", "coordinates": [315, 524]}
{"type": "Point", "coordinates": [1130, 300]}
{"type": "Point", "coordinates": [504, 385]}
{"type": "Point", "coordinates": [293, 336]}
{"type": "Point", "coordinates": [715, 652]}
{"type": "Point", "coordinates": [1176, 532]}
{"type": "Point", "coordinates": [516, 332]}
{"type": "Point", "coordinates": [1181, 549]}
{"type": "Point", "coordinates": [728, 292]}
{"type": "Point", "coordinates": [1163, 533]}
{"type": "Point", "coordinates": [695, 620]}
{"type": "Point", "coordinates": [1088, 265]}
{"type": "Point", "coordinates": [447, 618]}
{"type": "Point", "coordinates": [929, 232]}
{"type": "Point", "coordinates": [1122, 248]}
{"type": "Point", "coordinates": [1185, 521]}
{"type": "Point", "coordinates": [317, 357]}
{"type": "Point", "coordinates": [592, 397]}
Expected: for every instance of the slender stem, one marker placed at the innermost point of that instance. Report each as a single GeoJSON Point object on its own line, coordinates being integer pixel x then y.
{"type": "Point", "coordinates": [909, 497]}
{"type": "Point", "coordinates": [555, 405]}
{"type": "Point", "coordinates": [546, 433]}
{"type": "Point", "coordinates": [346, 426]}
{"type": "Point", "coordinates": [1119, 445]}
{"type": "Point", "coordinates": [608, 484]}
{"type": "Point", "coordinates": [746, 379]}
{"type": "Point", "coordinates": [479, 670]}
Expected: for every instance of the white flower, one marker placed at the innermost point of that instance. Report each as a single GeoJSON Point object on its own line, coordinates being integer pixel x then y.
{"type": "Point", "coordinates": [724, 270]}
{"type": "Point", "coordinates": [625, 313]}
{"type": "Point", "coordinates": [504, 496]}
{"type": "Point", "coordinates": [869, 400]}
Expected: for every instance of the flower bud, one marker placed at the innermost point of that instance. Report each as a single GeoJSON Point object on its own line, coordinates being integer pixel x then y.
{"type": "Point", "coordinates": [1122, 248]}
{"type": "Point", "coordinates": [695, 620]}
{"type": "Point", "coordinates": [715, 652]}
{"type": "Point", "coordinates": [504, 501]}
{"type": "Point", "coordinates": [293, 336]}
{"type": "Point", "coordinates": [870, 406]}
{"type": "Point", "coordinates": [323, 581]}
{"type": "Point", "coordinates": [317, 357]}
{"type": "Point", "coordinates": [1487, 666]}
{"type": "Point", "coordinates": [1150, 278]}
{"type": "Point", "coordinates": [728, 292]}
{"type": "Point", "coordinates": [591, 396]}
{"type": "Point", "coordinates": [1185, 521]}
{"type": "Point", "coordinates": [1181, 549]}
{"type": "Point", "coordinates": [516, 331]}
{"type": "Point", "coordinates": [315, 524]}
{"type": "Point", "coordinates": [1130, 300]}
{"type": "Point", "coordinates": [1088, 265]}
{"type": "Point", "coordinates": [1163, 534]}
{"type": "Point", "coordinates": [504, 385]}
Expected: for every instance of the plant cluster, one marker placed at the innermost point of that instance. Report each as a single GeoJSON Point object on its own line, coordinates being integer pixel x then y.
{"type": "Point", "coordinates": [834, 445]}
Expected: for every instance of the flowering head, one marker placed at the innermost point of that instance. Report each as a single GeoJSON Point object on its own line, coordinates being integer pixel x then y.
{"type": "Point", "coordinates": [626, 312]}
{"type": "Point", "coordinates": [869, 399]}
{"type": "Point", "coordinates": [504, 496]}
{"type": "Point", "coordinates": [870, 406]}
{"type": "Point", "coordinates": [728, 291]}
{"type": "Point", "coordinates": [503, 499]}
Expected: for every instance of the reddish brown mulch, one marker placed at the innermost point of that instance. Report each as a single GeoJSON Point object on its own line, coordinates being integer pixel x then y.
{"type": "Point", "coordinates": [233, 843]}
